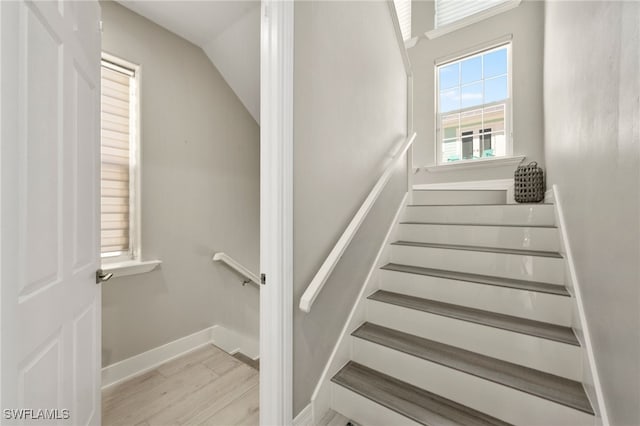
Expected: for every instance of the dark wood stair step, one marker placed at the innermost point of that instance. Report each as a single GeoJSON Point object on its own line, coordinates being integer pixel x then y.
{"type": "Point", "coordinates": [554, 388]}
{"type": "Point", "coordinates": [481, 279]}
{"type": "Point", "coordinates": [529, 327]}
{"type": "Point", "coordinates": [519, 252]}
{"type": "Point", "coordinates": [410, 401]}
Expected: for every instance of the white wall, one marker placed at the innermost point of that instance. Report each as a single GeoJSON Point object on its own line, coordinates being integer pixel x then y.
{"type": "Point", "coordinates": [200, 194]}
{"type": "Point", "coordinates": [526, 24]}
{"type": "Point", "coordinates": [236, 54]}
{"type": "Point", "coordinates": [592, 145]}
{"type": "Point", "coordinates": [349, 113]}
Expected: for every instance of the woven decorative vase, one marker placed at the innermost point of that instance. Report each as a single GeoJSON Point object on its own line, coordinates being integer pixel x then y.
{"type": "Point", "coordinates": [529, 183]}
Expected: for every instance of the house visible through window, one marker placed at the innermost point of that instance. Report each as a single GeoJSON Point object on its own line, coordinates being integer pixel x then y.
{"type": "Point", "coordinates": [473, 106]}
{"type": "Point", "coordinates": [118, 161]}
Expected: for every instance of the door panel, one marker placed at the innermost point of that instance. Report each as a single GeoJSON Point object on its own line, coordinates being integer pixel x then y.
{"type": "Point", "coordinates": [49, 212]}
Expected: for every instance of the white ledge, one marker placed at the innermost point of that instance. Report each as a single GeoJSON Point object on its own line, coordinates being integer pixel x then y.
{"type": "Point", "coordinates": [408, 44]}
{"type": "Point", "coordinates": [470, 20]}
{"type": "Point", "coordinates": [130, 267]}
{"type": "Point", "coordinates": [479, 163]}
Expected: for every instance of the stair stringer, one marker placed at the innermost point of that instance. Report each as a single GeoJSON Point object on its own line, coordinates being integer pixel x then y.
{"type": "Point", "coordinates": [341, 354]}
{"type": "Point", "coordinates": [590, 378]}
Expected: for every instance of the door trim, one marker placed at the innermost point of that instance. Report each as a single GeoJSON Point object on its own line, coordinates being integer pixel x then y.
{"type": "Point", "coordinates": [276, 212]}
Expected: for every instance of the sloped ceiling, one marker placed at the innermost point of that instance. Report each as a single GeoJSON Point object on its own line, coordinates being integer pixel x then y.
{"type": "Point", "coordinates": [227, 31]}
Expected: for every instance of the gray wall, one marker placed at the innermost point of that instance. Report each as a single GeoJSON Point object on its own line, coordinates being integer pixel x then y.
{"type": "Point", "coordinates": [200, 194]}
{"type": "Point", "coordinates": [592, 144]}
{"type": "Point", "coordinates": [526, 24]}
{"type": "Point", "coordinates": [350, 112]}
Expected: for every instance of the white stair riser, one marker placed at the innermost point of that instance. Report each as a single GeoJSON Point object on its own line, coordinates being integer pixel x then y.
{"type": "Point", "coordinates": [490, 398]}
{"type": "Point", "coordinates": [364, 411]}
{"type": "Point", "coordinates": [541, 354]}
{"type": "Point", "coordinates": [532, 268]}
{"type": "Point", "coordinates": [512, 214]}
{"type": "Point", "coordinates": [544, 307]}
{"type": "Point", "coordinates": [443, 197]}
{"type": "Point", "coordinates": [512, 237]}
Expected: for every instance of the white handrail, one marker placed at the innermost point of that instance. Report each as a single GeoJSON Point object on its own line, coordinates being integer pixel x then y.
{"type": "Point", "coordinates": [338, 250]}
{"type": "Point", "coordinates": [234, 264]}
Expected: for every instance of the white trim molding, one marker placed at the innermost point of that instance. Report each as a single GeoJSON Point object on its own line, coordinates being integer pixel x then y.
{"type": "Point", "coordinates": [412, 42]}
{"type": "Point", "coordinates": [479, 163]}
{"type": "Point", "coordinates": [305, 417]}
{"type": "Point", "coordinates": [276, 212]}
{"type": "Point", "coordinates": [224, 338]}
{"type": "Point", "coordinates": [574, 288]}
{"type": "Point", "coordinates": [473, 19]}
{"type": "Point", "coordinates": [130, 267]}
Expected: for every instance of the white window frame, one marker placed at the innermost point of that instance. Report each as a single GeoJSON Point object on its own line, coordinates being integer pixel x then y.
{"type": "Point", "coordinates": [135, 249]}
{"type": "Point", "coordinates": [508, 114]}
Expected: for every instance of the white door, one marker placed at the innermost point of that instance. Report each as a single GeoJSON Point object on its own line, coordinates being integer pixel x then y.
{"type": "Point", "coordinates": [49, 212]}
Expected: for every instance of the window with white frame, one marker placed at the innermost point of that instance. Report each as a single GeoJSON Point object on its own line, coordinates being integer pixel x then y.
{"type": "Point", "coordinates": [403, 9]}
{"type": "Point", "coordinates": [450, 11]}
{"type": "Point", "coordinates": [473, 111]}
{"type": "Point", "coordinates": [119, 210]}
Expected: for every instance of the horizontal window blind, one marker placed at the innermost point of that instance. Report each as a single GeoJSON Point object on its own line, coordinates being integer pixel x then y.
{"type": "Point", "coordinates": [403, 9]}
{"type": "Point", "coordinates": [116, 151]}
{"type": "Point", "coordinates": [449, 11]}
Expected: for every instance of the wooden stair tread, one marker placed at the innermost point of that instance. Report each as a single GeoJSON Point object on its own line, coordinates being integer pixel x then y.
{"type": "Point", "coordinates": [481, 279]}
{"type": "Point", "coordinates": [544, 385]}
{"type": "Point", "coordinates": [477, 204]}
{"type": "Point", "coordinates": [539, 329]}
{"type": "Point", "coordinates": [501, 250]}
{"type": "Point", "coordinates": [478, 224]}
{"type": "Point", "coordinates": [410, 401]}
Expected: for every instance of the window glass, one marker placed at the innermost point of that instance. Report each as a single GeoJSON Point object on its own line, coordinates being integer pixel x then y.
{"type": "Point", "coordinates": [450, 100]}
{"type": "Point", "coordinates": [471, 70]}
{"type": "Point", "coordinates": [450, 76]}
{"type": "Point", "coordinates": [495, 63]}
{"type": "Point", "coordinates": [495, 89]}
{"type": "Point", "coordinates": [473, 95]}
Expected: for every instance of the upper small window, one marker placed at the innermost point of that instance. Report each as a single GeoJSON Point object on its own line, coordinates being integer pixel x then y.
{"type": "Point", "coordinates": [449, 11]}
{"type": "Point", "coordinates": [118, 161]}
{"type": "Point", "coordinates": [403, 9]}
{"type": "Point", "coordinates": [473, 106]}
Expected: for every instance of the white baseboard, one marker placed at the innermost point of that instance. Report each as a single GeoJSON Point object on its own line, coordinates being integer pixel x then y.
{"type": "Point", "coordinates": [226, 339]}
{"type": "Point", "coordinates": [233, 342]}
{"type": "Point", "coordinates": [305, 417]}
{"type": "Point", "coordinates": [574, 287]}
{"type": "Point", "coordinates": [320, 400]}
{"type": "Point", "coordinates": [491, 184]}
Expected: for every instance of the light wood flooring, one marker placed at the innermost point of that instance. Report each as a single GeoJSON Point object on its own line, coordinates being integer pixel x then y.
{"type": "Point", "coordinates": [206, 386]}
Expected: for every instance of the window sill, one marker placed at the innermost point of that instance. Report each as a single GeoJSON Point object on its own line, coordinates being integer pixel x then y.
{"type": "Point", "coordinates": [480, 163]}
{"type": "Point", "coordinates": [470, 20]}
{"type": "Point", "coordinates": [130, 267]}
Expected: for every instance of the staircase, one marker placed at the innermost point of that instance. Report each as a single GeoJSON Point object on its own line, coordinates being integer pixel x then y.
{"type": "Point", "coordinates": [470, 323]}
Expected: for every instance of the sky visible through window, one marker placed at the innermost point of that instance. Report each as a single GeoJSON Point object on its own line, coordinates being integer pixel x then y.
{"type": "Point", "coordinates": [475, 81]}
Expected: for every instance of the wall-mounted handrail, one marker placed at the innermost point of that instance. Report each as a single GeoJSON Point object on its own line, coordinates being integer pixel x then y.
{"type": "Point", "coordinates": [314, 288]}
{"type": "Point", "coordinates": [234, 264]}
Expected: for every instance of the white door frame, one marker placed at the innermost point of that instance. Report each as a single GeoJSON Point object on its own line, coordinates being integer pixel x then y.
{"type": "Point", "coordinates": [276, 212]}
